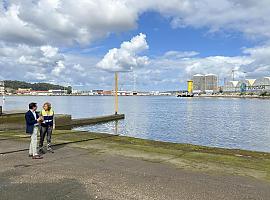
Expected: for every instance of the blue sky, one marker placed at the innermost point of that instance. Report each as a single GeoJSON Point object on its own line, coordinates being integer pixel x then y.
{"type": "Point", "coordinates": [159, 45]}
{"type": "Point", "coordinates": [162, 37]}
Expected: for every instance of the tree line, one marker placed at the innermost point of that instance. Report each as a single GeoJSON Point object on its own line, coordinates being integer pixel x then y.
{"type": "Point", "coordinates": [35, 86]}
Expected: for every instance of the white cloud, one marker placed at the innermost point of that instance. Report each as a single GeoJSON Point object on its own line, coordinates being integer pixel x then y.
{"type": "Point", "coordinates": [172, 72]}
{"type": "Point", "coordinates": [261, 57]}
{"type": "Point", "coordinates": [36, 76]}
{"type": "Point", "coordinates": [59, 68]}
{"type": "Point", "coordinates": [78, 67]}
{"type": "Point", "coordinates": [126, 57]}
{"type": "Point", "coordinates": [180, 54]}
{"type": "Point", "coordinates": [49, 51]}
{"type": "Point", "coordinates": [25, 61]}
{"type": "Point", "coordinates": [64, 22]}
{"type": "Point", "coordinates": [249, 17]}
{"type": "Point", "coordinates": [69, 22]}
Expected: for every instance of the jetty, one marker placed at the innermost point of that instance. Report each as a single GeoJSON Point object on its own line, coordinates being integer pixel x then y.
{"type": "Point", "coordinates": [14, 120]}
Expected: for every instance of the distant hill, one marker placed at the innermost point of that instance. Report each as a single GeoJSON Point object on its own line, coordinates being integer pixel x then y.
{"type": "Point", "coordinates": [35, 86]}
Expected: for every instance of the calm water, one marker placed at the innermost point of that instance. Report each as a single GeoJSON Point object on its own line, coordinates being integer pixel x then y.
{"type": "Point", "coordinates": [231, 123]}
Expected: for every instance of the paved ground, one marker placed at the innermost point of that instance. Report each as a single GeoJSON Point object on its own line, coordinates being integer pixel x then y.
{"type": "Point", "coordinates": [74, 173]}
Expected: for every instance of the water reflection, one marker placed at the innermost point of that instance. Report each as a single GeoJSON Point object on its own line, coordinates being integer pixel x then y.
{"type": "Point", "coordinates": [223, 122]}
{"type": "Point", "coordinates": [116, 127]}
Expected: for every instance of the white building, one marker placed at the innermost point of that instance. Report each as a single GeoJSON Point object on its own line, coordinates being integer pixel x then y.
{"type": "Point", "coordinates": [58, 92]}
{"type": "Point", "coordinates": [205, 83]}
{"type": "Point", "coordinates": [248, 85]}
{"type": "Point", "coordinates": [198, 83]}
{"type": "Point", "coordinates": [211, 83]}
{"type": "Point", "coordinates": [2, 87]}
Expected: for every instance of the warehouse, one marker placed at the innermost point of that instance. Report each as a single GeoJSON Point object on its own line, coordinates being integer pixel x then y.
{"type": "Point", "coordinates": [248, 85]}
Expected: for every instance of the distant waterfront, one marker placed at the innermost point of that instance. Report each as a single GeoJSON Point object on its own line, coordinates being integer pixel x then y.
{"type": "Point", "coordinates": [223, 122]}
{"type": "Point", "coordinates": [235, 96]}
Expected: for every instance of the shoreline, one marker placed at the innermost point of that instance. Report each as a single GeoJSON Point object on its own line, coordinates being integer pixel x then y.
{"type": "Point", "coordinates": [233, 96]}
{"type": "Point", "coordinates": [199, 96]}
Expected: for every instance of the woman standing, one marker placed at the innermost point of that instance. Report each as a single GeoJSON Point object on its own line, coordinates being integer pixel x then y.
{"type": "Point", "coordinates": [47, 127]}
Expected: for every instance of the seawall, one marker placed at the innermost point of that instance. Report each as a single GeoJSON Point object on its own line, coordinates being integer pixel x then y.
{"type": "Point", "coordinates": [183, 156]}
{"type": "Point", "coordinates": [16, 121]}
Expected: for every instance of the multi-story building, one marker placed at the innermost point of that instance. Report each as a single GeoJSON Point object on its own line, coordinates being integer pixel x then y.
{"type": "Point", "coordinates": [2, 87]}
{"type": "Point", "coordinates": [211, 82]}
{"type": "Point", "coordinates": [205, 83]}
{"type": "Point", "coordinates": [198, 83]}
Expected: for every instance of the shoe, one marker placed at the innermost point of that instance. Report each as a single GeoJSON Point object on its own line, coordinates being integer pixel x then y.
{"type": "Point", "coordinates": [37, 157]}
{"type": "Point", "coordinates": [30, 156]}
{"type": "Point", "coordinates": [49, 149]}
{"type": "Point", "coordinates": [41, 151]}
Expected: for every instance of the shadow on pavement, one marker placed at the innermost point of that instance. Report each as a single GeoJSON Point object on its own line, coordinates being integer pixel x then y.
{"type": "Point", "coordinates": [64, 189]}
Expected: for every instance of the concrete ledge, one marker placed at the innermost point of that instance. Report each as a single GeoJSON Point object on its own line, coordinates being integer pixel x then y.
{"type": "Point", "coordinates": [96, 120]}
{"type": "Point", "coordinates": [96, 166]}
{"type": "Point", "coordinates": [12, 121]}
{"type": "Point", "coordinates": [62, 119]}
{"type": "Point", "coordinates": [185, 156]}
{"type": "Point", "coordinates": [16, 121]}
{"type": "Point", "coordinates": [65, 122]}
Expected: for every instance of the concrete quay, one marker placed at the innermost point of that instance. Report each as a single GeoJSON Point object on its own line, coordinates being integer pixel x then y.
{"type": "Point", "coordinates": [14, 120]}
{"type": "Point", "coordinates": [102, 166]}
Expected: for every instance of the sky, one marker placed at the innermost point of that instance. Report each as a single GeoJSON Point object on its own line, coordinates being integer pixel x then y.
{"type": "Point", "coordinates": [153, 44]}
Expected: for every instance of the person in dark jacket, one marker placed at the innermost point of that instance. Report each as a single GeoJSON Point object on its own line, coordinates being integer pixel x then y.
{"type": "Point", "coordinates": [47, 127]}
{"type": "Point", "coordinates": [32, 125]}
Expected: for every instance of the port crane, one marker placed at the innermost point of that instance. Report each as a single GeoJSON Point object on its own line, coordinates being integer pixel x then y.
{"type": "Point", "coordinates": [233, 73]}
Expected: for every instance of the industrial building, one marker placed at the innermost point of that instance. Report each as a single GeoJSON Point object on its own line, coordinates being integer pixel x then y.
{"type": "Point", "coordinates": [190, 86]}
{"type": "Point", "coordinates": [205, 83]}
{"type": "Point", "coordinates": [211, 82]}
{"type": "Point", "coordinates": [198, 83]}
{"type": "Point", "coordinates": [248, 85]}
{"type": "Point", "coordinates": [29, 91]}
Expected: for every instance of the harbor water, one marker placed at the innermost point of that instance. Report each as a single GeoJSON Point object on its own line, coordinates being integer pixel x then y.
{"type": "Point", "coordinates": [219, 122]}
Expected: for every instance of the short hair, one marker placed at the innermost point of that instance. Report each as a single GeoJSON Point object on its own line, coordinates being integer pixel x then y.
{"type": "Point", "coordinates": [48, 104]}
{"type": "Point", "coordinates": [32, 105]}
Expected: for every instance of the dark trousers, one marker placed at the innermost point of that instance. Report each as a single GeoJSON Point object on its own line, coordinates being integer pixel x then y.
{"type": "Point", "coordinates": [45, 131]}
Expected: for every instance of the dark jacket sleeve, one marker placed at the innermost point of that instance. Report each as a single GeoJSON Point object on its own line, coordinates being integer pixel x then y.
{"type": "Point", "coordinates": [29, 119]}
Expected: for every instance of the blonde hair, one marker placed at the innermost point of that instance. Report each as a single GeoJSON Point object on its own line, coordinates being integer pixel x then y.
{"type": "Point", "coordinates": [48, 104]}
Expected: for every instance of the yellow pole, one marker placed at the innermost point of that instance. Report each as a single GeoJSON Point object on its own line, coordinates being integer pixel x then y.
{"type": "Point", "coordinates": [116, 92]}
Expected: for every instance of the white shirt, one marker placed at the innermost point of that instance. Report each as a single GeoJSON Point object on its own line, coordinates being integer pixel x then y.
{"type": "Point", "coordinates": [35, 116]}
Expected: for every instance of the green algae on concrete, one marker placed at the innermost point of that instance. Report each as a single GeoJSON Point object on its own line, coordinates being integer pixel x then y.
{"type": "Point", "coordinates": [16, 121]}
{"type": "Point", "coordinates": [184, 156]}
